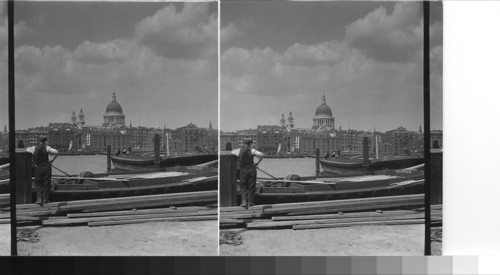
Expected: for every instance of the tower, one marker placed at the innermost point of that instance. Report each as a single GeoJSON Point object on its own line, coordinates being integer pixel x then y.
{"type": "Point", "coordinates": [282, 121]}
{"type": "Point", "coordinates": [210, 126]}
{"type": "Point", "coordinates": [73, 118]}
{"type": "Point", "coordinates": [81, 118]}
{"type": "Point", "coordinates": [290, 120]}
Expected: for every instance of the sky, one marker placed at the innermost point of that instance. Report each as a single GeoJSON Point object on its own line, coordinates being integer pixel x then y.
{"type": "Point", "coordinates": [365, 57]}
{"type": "Point", "coordinates": [4, 99]}
{"type": "Point", "coordinates": [160, 59]}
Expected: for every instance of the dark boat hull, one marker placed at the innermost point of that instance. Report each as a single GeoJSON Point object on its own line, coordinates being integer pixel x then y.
{"type": "Point", "coordinates": [132, 163]}
{"type": "Point", "coordinates": [338, 166]}
{"type": "Point", "coordinates": [191, 179]}
{"type": "Point", "coordinates": [271, 198]}
{"type": "Point", "coordinates": [393, 183]}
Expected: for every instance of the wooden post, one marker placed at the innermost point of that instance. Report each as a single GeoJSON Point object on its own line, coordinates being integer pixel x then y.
{"type": "Point", "coordinates": [227, 179]}
{"type": "Point", "coordinates": [108, 159]}
{"type": "Point", "coordinates": [436, 196]}
{"type": "Point", "coordinates": [156, 141]}
{"type": "Point", "coordinates": [317, 162]}
{"type": "Point", "coordinates": [23, 177]}
{"type": "Point", "coordinates": [366, 151]}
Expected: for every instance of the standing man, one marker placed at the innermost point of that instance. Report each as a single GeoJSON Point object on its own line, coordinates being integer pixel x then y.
{"type": "Point", "coordinates": [248, 171]}
{"type": "Point", "coordinates": [43, 168]}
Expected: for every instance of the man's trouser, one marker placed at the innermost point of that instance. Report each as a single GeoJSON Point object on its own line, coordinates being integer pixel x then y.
{"type": "Point", "coordinates": [248, 179]}
{"type": "Point", "coordinates": [43, 173]}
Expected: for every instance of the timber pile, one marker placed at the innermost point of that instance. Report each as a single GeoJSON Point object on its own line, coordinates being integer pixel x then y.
{"type": "Point", "coordinates": [193, 206]}
{"type": "Point", "coordinates": [327, 214]}
{"type": "Point", "coordinates": [4, 200]}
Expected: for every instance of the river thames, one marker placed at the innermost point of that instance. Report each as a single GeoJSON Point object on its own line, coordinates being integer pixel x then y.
{"type": "Point", "coordinates": [277, 167]}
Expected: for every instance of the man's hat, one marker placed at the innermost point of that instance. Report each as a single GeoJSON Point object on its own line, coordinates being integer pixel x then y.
{"type": "Point", "coordinates": [42, 138]}
{"type": "Point", "coordinates": [247, 141]}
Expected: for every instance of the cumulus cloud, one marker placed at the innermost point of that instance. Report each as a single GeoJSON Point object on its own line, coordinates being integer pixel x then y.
{"type": "Point", "coordinates": [188, 34]}
{"type": "Point", "coordinates": [230, 33]}
{"type": "Point", "coordinates": [142, 71]}
{"type": "Point", "coordinates": [376, 68]}
{"type": "Point", "coordinates": [328, 53]}
{"type": "Point", "coordinates": [99, 53]}
{"type": "Point", "coordinates": [392, 37]}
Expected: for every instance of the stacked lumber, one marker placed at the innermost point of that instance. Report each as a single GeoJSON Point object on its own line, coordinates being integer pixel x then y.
{"type": "Point", "coordinates": [4, 200]}
{"type": "Point", "coordinates": [437, 215]}
{"type": "Point", "coordinates": [193, 206]}
{"type": "Point", "coordinates": [327, 214]}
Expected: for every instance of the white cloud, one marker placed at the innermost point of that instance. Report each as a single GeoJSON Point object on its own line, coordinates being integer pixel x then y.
{"type": "Point", "coordinates": [370, 70]}
{"type": "Point", "coordinates": [189, 34]}
{"type": "Point", "coordinates": [230, 33]}
{"type": "Point", "coordinates": [155, 79]}
{"type": "Point", "coordinates": [328, 53]}
{"type": "Point", "coordinates": [99, 53]}
{"type": "Point", "coordinates": [392, 37]}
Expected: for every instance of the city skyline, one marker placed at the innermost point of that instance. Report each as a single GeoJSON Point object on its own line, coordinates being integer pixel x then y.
{"type": "Point", "coordinates": [159, 58]}
{"type": "Point", "coordinates": [99, 123]}
{"type": "Point", "coordinates": [365, 57]}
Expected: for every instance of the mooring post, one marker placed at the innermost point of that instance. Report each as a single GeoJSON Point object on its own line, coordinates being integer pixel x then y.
{"type": "Point", "coordinates": [317, 162]}
{"type": "Point", "coordinates": [108, 157]}
{"type": "Point", "coordinates": [23, 177]}
{"type": "Point", "coordinates": [227, 179]}
{"type": "Point", "coordinates": [157, 150]}
{"type": "Point", "coordinates": [436, 178]}
{"type": "Point", "coordinates": [366, 158]}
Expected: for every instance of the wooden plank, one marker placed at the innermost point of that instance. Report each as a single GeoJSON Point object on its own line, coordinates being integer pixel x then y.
{"type": "Point", "coordinates": [29, 218]}
{"type": "Point", "coordinates": [241, 216]}
{"type": "Point", "coordinates": [140, 198]}
{"type": "Point", "coordinates": [34, 213]}
{"type": "Point", "coordinates": [279, 224]}
{"type": "Point", "coordinates": [234, 221]}
{"type": "Point", "coordinates": [50, 205]}
{"type": "Point", "coordinates": [140, 201]}
{"type": "Point", "coordinates": [343, 206]}
{"type": "Point", "coordinates": [344, 215]}
{"type": "Point", "coordinates": [176, 219]}
{"type": "Point", "coordinates": [138, 212]}
{"type": "Point", "coordinates": [393, 222]}
{"type": "Point", "coordinates": [84, 178]}
{"type": "Point", "coordinates": [137, 205]}
{"type": "Point", "coordinates": [256, 208]}
{"type": "Point", "coordinates": [75, 221]}
{"type": "Point", "coordinates": [318, 204]}
{"type": "Point", "coordinates": [356, 209]}
{"type": "Point", "coordinates": [433, 207]}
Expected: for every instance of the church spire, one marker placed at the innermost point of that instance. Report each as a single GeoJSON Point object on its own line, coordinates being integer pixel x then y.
{"type": "Point", "coordinates": [282, 120]}
{"type": "Point", "coordinates": [81, 118]}
{"type": "Point", "coordinates": [291, 123]}
{"type": "Point", "coordinates": [210, 126]}
{"type": "Point", "coordinates": [73, 118]}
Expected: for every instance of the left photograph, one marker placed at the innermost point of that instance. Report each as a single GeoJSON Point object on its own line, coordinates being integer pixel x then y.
{"type": "Point", "coordinates": [116, 128]}
{"type": "Point", "coordinates": [4, 137]}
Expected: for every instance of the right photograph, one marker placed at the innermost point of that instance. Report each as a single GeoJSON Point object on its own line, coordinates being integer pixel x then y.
{"type": "Point", "coordinates": [322, 128]}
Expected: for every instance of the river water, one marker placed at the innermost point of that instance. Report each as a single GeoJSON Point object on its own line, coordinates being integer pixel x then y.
{"type": "Point", "coordinates": [281, 167]}
{"type": "Point", "coordinates": [276, 167]}
{"type": "Point", "coordinates": [76, 164]}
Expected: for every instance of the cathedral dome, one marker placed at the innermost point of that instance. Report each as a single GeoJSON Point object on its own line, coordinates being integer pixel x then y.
{"type": "Point", "coordinates": [323, 109]}
{"type": "Point", "coordinates": [114, 107]}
